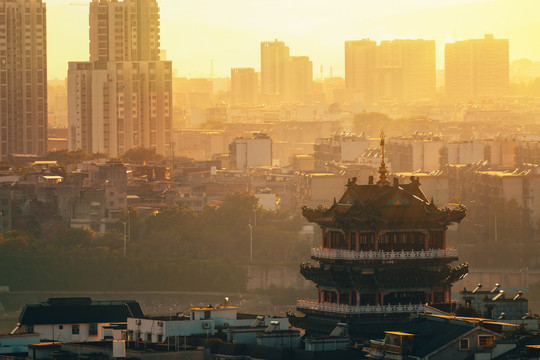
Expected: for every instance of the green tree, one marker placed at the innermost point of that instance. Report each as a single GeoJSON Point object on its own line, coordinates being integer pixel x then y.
{"type": "Point", "coordinates": [69, 237]}
{"type": "Point", "coordinates": [140, 155]}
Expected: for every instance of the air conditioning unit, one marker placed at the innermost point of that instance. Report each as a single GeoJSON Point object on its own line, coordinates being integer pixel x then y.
{"type": "Point", "coordinates": [206, 325]}
{"type": "Point", "coordinates": [160, 323]}
{"type": "Point", "coordinates": [137, 322]}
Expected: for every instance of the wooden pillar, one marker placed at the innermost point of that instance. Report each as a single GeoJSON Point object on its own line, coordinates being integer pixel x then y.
{"type": "Point", "coordinates": [323, 238]}
{"type": "Point", "coordinates": [357, 241]}
{"type": "Point", "coordinates": [432, 296]}
{"type": "Point", "coordinates": [450, 295]}
{"type": "Point", "coordinates": [337, 292]}
{"type": "Point", "coordinates": [427, 298]}
{"type": "Point", "coordinates": [377, 236]}
{"type": "Point", "coordinates": [444, 243]}
{"type": "Point", "coordinates": [382, 298]}
{"type": "Point", "coordinates": [349, 238]}
{"type": "Point", "coordinates": [319, 296]}
{"type": "Point", "coordinates": [357, 298]}
{"type": "Point", "coordinates": [426, 240]}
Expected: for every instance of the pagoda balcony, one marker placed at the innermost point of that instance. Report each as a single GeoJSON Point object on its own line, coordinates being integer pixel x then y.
{"type": "Point", "coordinates": [355, 310]}
{"type": "Point", "coordinates": [332, 254]}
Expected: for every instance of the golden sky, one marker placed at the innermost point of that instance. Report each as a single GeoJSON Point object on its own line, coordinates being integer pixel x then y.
{"type": "Point", "coordinates": [230, 32]}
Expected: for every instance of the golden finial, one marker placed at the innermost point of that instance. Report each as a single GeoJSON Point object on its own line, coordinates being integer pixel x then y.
{"type": "Point", "coordinates": [383, 178]}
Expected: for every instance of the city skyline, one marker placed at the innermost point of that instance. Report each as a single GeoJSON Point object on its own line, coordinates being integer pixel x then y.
{"type": "Point", "coordinates": [231, 37]}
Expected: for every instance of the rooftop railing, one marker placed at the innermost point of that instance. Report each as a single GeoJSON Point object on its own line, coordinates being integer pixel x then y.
{"type": "Point", "coordinates": [367, 309]}
{"type": "Point", "coordinates": [382, 255]}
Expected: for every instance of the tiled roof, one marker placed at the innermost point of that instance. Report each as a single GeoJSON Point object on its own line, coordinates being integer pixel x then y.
{"type": "Point", "coordinates": [77, 311]}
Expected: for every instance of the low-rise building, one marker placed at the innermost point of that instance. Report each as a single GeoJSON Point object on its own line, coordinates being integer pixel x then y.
{"type": "Point", "coordinates": [74, 319]}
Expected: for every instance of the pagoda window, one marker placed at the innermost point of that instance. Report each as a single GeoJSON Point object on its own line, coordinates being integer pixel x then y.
{"type": "Point", "coordinates": [344, 298]}
{"type": "Point", "coordinates": [436, 239]}
{"type": "Point", "coordinates": [327, 240]}
{"type": "Point", "coordinates": [404, 298]}
{"type": "Point", "coordinates": [338, 241]}
{"type": "Point", "coordinates": [367, 299]}
{"type": "Point", "coordinates": [366, 242]}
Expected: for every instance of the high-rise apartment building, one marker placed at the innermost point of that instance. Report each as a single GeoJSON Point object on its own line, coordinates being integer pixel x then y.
{"type": "Point", "coordinates": [122, 97]}
{"type": "Point", "coordinates": [244, 86]}
{"type": "Point", "coordinates": [284, 77]}
{"type": "Point", "coordinates": [359, 68]}
{"type": "Point", "coordinates": [403, 70]}
{"type": "Point", "coordinates": [300, 78]}
{"type": "Point", "coordinates": [124, 31]}
{"type": "Point", "coordinates": [23, 77]}
{"type": "Point", "coordinates": [274, 69]}
{"type": "Point", "coordinates": [477, 68]}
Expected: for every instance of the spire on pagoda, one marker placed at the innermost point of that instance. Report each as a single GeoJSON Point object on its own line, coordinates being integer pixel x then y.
{"type": "Point", "coordinates": [383, 177]}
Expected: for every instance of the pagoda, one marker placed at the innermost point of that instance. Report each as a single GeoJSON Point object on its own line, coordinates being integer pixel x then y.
{"type": "Point", "coordinates": [383, 256]}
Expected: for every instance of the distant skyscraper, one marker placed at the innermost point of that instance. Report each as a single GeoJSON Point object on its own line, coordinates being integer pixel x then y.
{"type": "Point", "coordinates": [124, 31]}
{"type": "Point", "coordinates": [122, 97]}
{"type": "Point", "coordinates": [360, 68]}
{"type": "Point", "coordinates": [274, 69]}
{"type": "Point", "coordinates": [23, 77]}
{"type": "Point", "coordinates": [244, 86]}
{"type": "Point", "coordinates": [477, 68]}
{"type": "Point", "coordinates": [300, 78]}
{"type": "Point", "coordinates": [398, 69]}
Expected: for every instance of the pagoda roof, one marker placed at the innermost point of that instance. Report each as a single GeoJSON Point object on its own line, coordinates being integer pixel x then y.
{"type": "Point", "coordinates": [384, 206]}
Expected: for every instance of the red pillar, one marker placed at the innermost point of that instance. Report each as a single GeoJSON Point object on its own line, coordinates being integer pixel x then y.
{"type": "Point", "coordinates": [444, 243]}
{"type": "Point", "coordinates": [323, 237]}
{"type": "Point", "coordinates": [427, 298]}
{"type": "Point", "coordinates": [337, 297]}
{"type": "Point", "coordinates": [450, 295]}
{"type": "Point", "coordinates": [426, 240]}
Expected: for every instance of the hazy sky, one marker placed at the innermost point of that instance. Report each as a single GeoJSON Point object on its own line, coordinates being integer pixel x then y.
{"type": "Point", "coordinates": [230, 32]}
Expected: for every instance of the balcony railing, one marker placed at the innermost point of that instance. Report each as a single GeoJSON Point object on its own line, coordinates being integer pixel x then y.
{"type": "Point", "coordinates": [367, 309]}
{"type": "Point", "coordinates": [382, 255]}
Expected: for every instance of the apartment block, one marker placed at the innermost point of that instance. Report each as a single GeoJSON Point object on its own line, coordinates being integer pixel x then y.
{"type": "Point", "coordinates": [23, 77]}
{"type": "Point", "coordinates": [477, 68]}
{"type": "Point", "coordinates": [122, 97]}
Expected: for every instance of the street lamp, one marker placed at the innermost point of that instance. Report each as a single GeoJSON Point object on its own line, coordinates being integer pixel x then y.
{"type": "Point", "coordinates": [125, 237]}
{"type": "Point", "coordinates": [250, 242]}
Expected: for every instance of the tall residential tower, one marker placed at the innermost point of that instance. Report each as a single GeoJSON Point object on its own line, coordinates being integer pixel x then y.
{"type": "Point", "coordinates": [477, 68]}
{"type": "Point", "coordinates": [403, 70]}
{"type": "Point", "coordinates": [121, 98]}
{"type": "Point", "coordinates": [23, 77]}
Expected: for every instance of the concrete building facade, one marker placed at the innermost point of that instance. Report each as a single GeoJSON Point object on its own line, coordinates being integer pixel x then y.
{"type": "Point", "coordinates": [122, 98]}
{"type": "Point", "coordinates": [477, 68]}
{"type": "Point", "coordinates": [23, 77]}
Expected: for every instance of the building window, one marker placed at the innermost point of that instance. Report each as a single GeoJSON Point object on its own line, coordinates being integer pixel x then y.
{"type": "Point", "coordinates": [93, 331]}
{"type": "Point", "coordinates": [75, 329]}
{"type": "Point", "coordinates": [160, 338]}
{"type": "Point", "coordinates": [464, 344]}
{"type": "Point", "coordinates": [486, 341]}
{"type": "Point", "coordinates": [149, 337]}
{"type": "Point", "coordinates": [30, 329]}
{"type": "Point", "coordinates": [61, 327]}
